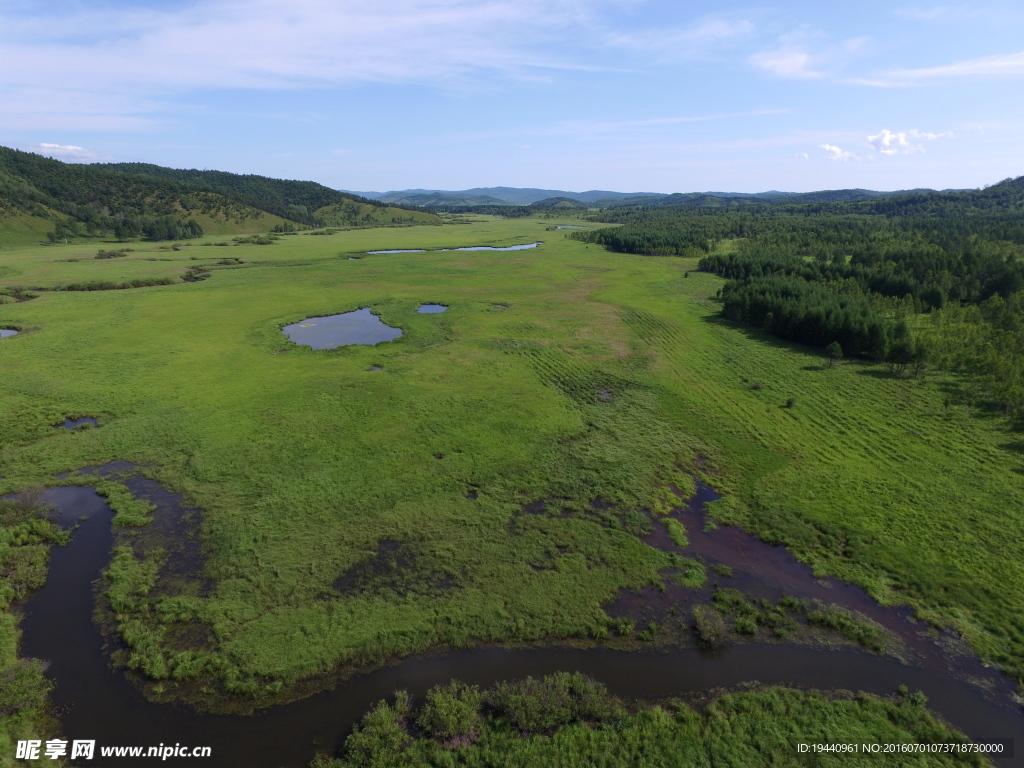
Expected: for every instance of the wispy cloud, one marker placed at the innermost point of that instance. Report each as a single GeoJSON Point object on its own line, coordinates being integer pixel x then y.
{"type": "Point", "coordinates": [54, 107]}
{"type": "Point", "coordinates": [148, 53]}
{"type": "Point", "coordinates": [599, 128]}
{"type": "Point", "coordinates": [786, 63]}
{"type": "Point", "coordinates": [610, 126]}
{"type": "Point", "coordinates": [805, 54]}
{"type": "Point", "coordinates": [698, 39]}
{"type": "Point", "coordinates": [1003, 65]}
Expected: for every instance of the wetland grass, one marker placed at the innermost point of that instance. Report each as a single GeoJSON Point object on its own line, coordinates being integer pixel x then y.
{"type": "Point", "coordinates": [304, 464]}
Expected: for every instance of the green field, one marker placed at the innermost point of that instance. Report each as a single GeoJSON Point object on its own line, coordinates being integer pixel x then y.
{"type": "Point", "coordinates": [307, 463]}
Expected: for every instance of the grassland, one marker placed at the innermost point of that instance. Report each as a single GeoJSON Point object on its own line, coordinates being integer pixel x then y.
{"type": "Point", "coordinates": [352, 515]}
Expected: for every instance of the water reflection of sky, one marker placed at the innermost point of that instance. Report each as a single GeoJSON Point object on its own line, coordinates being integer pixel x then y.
{"type": "Point", "coordinates": [359, 327]}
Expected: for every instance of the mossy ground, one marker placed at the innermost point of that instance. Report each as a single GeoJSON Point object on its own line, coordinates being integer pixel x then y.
{"type": "Point", "coordinates": [563, 373]}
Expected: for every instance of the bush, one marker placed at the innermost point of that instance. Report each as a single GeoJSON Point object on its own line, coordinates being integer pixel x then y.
{"type": "Point", "coordinates": [850, 625]}
{"type": "Point", "coordinates": [451, 711]}
{"type": "Point", "coordinates": [745, 625]}
{"type": "Point", "coordinates": [543, 706]}
{"type": "Point", "coordinates": [709, 626]}
{"type": "Point", "coordinates": [382, 735]}
{"type": "Point", "coordinates": [23, 685]}
{"type": "Point", "coordinates": [730, 600]}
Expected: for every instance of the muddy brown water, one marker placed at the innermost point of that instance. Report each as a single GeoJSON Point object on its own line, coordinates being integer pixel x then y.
{"type": "Point", "coordinates": [96, 702]}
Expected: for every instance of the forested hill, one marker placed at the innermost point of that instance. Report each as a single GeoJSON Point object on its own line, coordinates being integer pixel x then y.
{"type": "Point", "coordinates": [41, 196]}
{"type": "Point", "coordinates": [294, 200]}
{"type": "Point", "coordinates": [920, 280]}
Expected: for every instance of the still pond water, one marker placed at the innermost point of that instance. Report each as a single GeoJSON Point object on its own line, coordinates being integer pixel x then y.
{"type": "Point", "coordinates": [333, 331]}
{"type": "Point", "coordinates": [525, 246]}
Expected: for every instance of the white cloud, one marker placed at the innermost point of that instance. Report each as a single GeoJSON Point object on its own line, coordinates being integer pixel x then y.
{"type": "Point", "coordinates": [1007, 65]}
{"type": "Point", "coordinates": [903, 142]}
{"type": "Point", "coordinates": [314, 43]}
{"type": "Point", "coordinates": [67, 152]}
{"type": "Point", "coordinates": [837, 153]}
{"type": "Point", "coordinates": [136, 55]}
{"type": "Point", "coordinates": [786, 63]}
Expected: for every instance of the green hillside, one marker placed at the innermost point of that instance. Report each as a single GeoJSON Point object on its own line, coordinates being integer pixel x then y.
{"type": "Point", "coordinates": [42, 198]}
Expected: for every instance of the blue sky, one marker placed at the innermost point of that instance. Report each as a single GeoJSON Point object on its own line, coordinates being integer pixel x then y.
{"type": "Point", "coordinates": [629, 95]}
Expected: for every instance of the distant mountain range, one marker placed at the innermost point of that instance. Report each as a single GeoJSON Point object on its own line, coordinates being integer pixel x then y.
{"type": "Point", "coordinates": [605, 199]}
{"type": "Point", "coordinates": [490, 196]}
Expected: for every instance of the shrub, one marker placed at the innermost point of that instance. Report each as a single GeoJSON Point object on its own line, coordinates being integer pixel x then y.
{"type": "Point", "coordinates": [23, 685]}
{"type": "Point", "coordinates": [850, 625]}
{"type": "Point", "coordinates": [730, 600]}
{"type": "Point", "coordinates": [382, 735]}
{"type": "Point", "coordinates": [623, 627]}
{"type": "Point", "coordinates": [543, 706]}
{"type": "Point", "coordinates": [745, 625]}
{"type": "Point", "coordinates": [451, 711]}
{"type": "Point", "coordinates": [709, 626]}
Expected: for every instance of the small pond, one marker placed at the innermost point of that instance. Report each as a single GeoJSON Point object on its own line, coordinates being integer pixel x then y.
{"type": "Point", "coordinates": [5, 332]}
{"type": "Point", "coordinates": [523, 247]}
{"type": "Point", "coordinates": [75, 423]}
{"type": "Point", "coordinates": [431, 309]}
{"type": "Point", "coordinates": [359, 327]}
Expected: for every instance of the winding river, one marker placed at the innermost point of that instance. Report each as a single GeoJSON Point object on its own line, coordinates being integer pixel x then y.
{"type": "Point", "coordinates": [95, 702]}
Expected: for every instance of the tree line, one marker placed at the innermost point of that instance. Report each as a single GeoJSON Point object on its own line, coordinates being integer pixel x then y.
{"type": "Point", "coordinates": [918, 280]}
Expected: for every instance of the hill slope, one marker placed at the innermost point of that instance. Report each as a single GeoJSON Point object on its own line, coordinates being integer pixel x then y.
{"type": "Point", "coordinates": [39, 195]}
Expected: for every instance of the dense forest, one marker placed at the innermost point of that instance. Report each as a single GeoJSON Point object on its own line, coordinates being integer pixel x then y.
{"type": "Point", "coordinates": [130, 200]}
{"type": "Point", "coordinates": [293, 200]}
{"type": "Point", "coordinates": [916, 280]}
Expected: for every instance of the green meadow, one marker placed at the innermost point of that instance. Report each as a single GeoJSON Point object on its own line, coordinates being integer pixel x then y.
{"type": "Point", "coordinates": [353, 515]}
